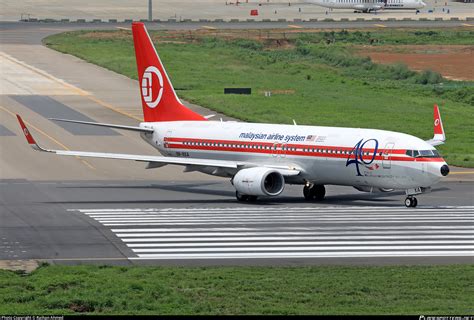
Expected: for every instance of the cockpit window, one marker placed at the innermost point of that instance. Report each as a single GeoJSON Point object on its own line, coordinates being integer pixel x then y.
{"type": "Point", "coordinates": [423, 153]}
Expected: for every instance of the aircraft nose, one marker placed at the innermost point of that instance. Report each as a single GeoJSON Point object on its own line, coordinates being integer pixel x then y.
{"type": "Point", "coordinates": [444, 170]}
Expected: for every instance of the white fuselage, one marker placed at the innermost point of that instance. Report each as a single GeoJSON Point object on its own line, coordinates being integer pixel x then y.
{"type": "Point", "coordinates": [369, 5]}
{"type": "Point", "coordinates": [324, 155]}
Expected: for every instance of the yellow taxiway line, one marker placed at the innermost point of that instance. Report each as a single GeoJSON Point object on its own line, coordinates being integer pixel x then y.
{"type": "Point", "coordinates": [380, 25]}
{"type": "Point", "coordinates": [49, 137]}
{"type": "Point", "coordinates": [468, 25]}
{"type": "Point", "coordinates": [461, 172]}
{"type": "Point", "coordinates": [80, 92]}
{"type": "Point", "coordinates": [208, 27]}
{"type": "Point", "coordinates": [295, 27]}
{"type": "Point", "coordinates": [123, 28]}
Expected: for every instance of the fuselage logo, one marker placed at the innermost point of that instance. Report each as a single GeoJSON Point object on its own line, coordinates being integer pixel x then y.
{"type": "Point", "coordinates": [357, 154]}
{"type": "Point", "coordinates": [152, 81]}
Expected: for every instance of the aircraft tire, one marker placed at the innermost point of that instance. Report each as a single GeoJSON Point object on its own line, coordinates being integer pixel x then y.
{"type": "Point", "coordinates": [411, 202]}
{"type": "Point", "coordinates": [319, 192]}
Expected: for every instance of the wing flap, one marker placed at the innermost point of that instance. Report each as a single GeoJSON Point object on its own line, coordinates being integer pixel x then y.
{"type": "Point", "coordinates": [146, 158]}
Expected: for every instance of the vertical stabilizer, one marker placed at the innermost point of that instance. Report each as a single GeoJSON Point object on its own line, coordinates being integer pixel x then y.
{"type": "Point", "coordinates": [159, 100]}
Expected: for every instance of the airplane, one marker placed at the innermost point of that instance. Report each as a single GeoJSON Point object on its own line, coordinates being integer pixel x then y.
{"type": "Point", "coordinates": [366, 6]}
{"type": "Point", "coordinates": [260, 159]}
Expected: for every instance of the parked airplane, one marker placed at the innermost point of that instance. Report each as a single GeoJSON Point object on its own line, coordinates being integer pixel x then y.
{"type": "Point", "coordinates": [261, 158]}
{"type": "Point", "coordinates": [369, 5]}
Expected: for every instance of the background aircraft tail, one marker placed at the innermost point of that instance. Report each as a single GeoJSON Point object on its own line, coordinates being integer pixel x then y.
{"type": "Point", "coordinates": [159, 100]}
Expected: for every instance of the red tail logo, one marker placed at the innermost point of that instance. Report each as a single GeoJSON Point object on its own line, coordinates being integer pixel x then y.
{"type": "Point", "coordinates": [438, 126]}
{"type": "Point", "coordinates": [150, 76]}
{"type": "Point", "coordinates": [159, 100]}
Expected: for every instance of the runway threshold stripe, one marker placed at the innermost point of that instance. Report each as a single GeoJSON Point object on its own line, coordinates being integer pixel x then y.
{"type": "Point", "coordinates": [290, 218]}
{"type": "Point", "coordinates": [295, 243]}
{"type": "Point", "coordinates": [267, 232]}
{"type": "Point", "coordinates": [272, 209]}
{"type": "Point", "coordinates": [282, 216]}
{"type": "Point", "coordinates": [295, 238]}
{"type": "Point", "coordinates": [341, 254]}
{"type": "Point", "coordinates": [289, 229]}
{"type": "Point", "coordinates": [145, 223]}
{"type": "Point", "coordinates": [310, 248]}
{"type": "Point", "coordinates": [136, 235]}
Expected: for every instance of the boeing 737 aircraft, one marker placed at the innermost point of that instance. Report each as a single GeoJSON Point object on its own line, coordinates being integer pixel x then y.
{"type": "Point", "coordinates": [370, 5]}
{"type": "Point", "coordinates": [261, 158]}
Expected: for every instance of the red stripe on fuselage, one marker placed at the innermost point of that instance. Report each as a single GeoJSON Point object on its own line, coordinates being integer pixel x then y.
{"type": "Point", "coordinates": [290, 149]}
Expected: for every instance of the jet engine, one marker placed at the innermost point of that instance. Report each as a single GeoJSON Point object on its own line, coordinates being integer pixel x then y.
{"type": "Point", "coordinates": [259, 182]}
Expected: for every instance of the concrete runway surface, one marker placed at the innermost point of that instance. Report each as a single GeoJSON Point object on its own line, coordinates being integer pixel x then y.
{"type": "Point", "coordinates": [210, 9]}
{"type": "Point", "coordinates": [72, 210]}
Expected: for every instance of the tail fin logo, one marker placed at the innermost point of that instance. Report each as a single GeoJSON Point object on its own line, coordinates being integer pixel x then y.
{"type": "Point", "coordinates": [152, 81]}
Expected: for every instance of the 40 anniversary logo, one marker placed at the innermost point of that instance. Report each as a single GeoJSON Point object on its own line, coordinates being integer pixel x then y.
{"type": "Point", "coordinates": [356, 155]}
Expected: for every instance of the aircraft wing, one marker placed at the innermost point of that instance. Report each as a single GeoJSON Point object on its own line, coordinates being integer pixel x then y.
{"type": "Point", "coordinates": [154, 161]}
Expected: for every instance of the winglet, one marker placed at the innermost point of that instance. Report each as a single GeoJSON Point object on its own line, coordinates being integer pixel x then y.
{"type": "Point", "coordinates": [439, 136]}
{"type": "Point", "coordinates": [28, 136]}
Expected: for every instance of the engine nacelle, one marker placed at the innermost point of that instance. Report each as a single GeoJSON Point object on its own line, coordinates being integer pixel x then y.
{"type": "Point", "coordinates": [259, 181]}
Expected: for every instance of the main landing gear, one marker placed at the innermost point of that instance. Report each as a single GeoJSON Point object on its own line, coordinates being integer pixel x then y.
{"type": "Point", "coordinates": [245, 198]}
{"type": "Point", "coordinates": [411, 202]}
{"type": "Point", "coordinates": [314, 192]}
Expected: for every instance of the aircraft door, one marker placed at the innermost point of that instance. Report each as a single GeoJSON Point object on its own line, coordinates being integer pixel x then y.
{"type": "Point", "coordinates": [284, 148]}
{"type": "Point", "coordinates": [387, 155]}
{"type": "Point", "coordinates": [279, 150]}
{"type": "Point", "coordinates": [275, 150]}
{"type": "Point", "coordinates": [168, 135]}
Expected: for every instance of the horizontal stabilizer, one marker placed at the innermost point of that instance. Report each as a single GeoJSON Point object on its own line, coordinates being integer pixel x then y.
{"type": "Point", "coordinates": [114, 126]}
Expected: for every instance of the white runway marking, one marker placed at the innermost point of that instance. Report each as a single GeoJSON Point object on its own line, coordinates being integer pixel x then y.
{"type": "Point", "coordinates": [267, 232]}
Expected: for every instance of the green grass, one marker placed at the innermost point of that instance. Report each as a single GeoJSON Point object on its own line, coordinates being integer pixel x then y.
{"type": "Point", "coordinates": [327, 84]}
{"type": "Point", "coordinates": [239, 290]}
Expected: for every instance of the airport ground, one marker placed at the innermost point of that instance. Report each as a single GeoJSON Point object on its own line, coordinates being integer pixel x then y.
{"type": "Point", "coordinates": [212, 9]}
{"type": "Point", "coordinates": [50, 204]}
{"type": "Point", "coordinates": [76, 211]}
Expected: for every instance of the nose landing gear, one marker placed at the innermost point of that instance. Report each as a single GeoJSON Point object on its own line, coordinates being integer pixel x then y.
{"type": "Point", "coordinates": [411, 202]}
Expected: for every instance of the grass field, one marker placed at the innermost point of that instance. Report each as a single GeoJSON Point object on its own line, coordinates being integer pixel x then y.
{"type": "Point", "coordinates": [239, 290]}
{"type": "Point", "coordinates": [315, 78]}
